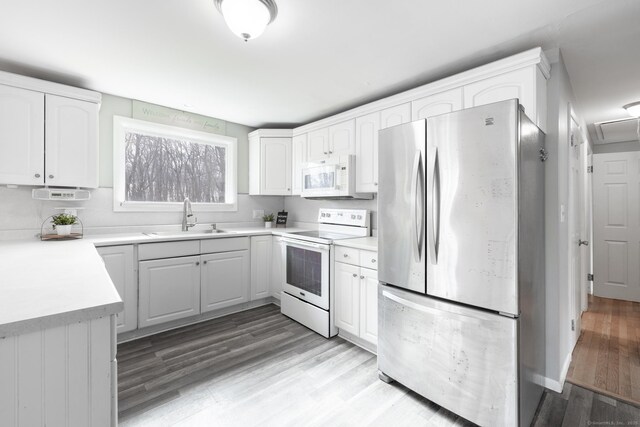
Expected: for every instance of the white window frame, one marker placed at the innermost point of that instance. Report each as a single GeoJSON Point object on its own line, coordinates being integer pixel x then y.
{"type": "Point", "coordinates": [122, 125]}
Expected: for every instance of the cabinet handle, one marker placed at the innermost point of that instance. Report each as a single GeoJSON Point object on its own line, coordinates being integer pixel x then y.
{"type": "Point", "coordinates": [373, 260]}
{"type": "Point", "coordinates": [346, 256]}
{"type": "Point", "coordinates": [197, 262]}
{"type": "Point", "coordinates": [50, 176]}
{"type": "Point", "coordinates": [355, 275]}
{"type": "Point", "coordinates": [375, 183]}
{"type": "Point", "coordinates": [288, 189]}
{"type": "Point", "coordinates": [330, 152]}
{"type": "Point", "coordinates": [204, 262]}
{"type": "Point", "coordinates": [37, 175]}
{"type": "Point", "coordinates": [362, 277]}
{"type": "Point", "coordinates": [326, 152]}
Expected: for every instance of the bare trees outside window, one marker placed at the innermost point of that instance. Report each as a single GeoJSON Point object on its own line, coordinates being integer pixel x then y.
{"type": "Point", "coordinates": [155, 166]}
{"type": "Point", "coordinates": [159, 169]}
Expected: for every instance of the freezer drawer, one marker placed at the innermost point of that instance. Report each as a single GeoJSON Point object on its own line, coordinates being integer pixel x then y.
{"type": "Point", "coordinates": [460, 358]}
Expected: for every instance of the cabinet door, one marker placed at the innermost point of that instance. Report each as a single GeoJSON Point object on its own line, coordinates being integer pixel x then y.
{"type": "Point", "coordinates": [367, 153]}
{"type": "Point", "coordinates": [277, 267]}
{"type": "Point", "coordinates": [71, 133]}
{"type": "Point", "coordinates": [21, 136]}
{"type": "Point", "coordinates": [434, 105]}
{"type": "Point", "coordinates": [342, 138]}
{"type": "Point", "coordinates": [299, 156]}
{"type": "Point", "coordinates": [119, 262]}
{"type": "Point", "coordinates": [169, 290]}
{"type": "Point", "coordinates": [515, 84]}
{"type": "Point", "coordinates": [369, 305]}
{"type": "Point", "coordinates": [318, 147]}
{"type": "Point", "coordinates": [225, 279]}
{"type": "Point", "coordinates": [395, 115]}
{"type": "Point", "coordinates": [275, 166]}
{"type": "Point", "coordinates": [260, 266]}
{"type": "Point", "coordinates": [347, 302]}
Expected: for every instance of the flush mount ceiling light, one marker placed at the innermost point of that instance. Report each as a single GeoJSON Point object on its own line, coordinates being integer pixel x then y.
{"type": "Point", "coordinates": [633, 109]}
{"type": "Point", "coordinates": [247, 18]}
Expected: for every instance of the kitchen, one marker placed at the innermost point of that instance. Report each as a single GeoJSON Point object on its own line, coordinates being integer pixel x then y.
{"type": "Point", "coordinates": [266, 163]}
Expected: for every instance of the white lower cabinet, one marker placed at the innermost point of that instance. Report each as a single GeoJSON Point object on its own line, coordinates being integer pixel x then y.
{"type": "Point", "coordinates": [169, 290]}
{"type": "Point", "coordinates": [224, 279]}
{"type": "Point", "coordinates": [120, 264]}
{"type": "Point", "coordinates": [260, 266]}
{"type": "Point", "coordinates": [356, 294]}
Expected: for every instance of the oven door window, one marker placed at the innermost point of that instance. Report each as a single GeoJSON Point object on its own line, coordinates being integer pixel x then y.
{"type": "Point", "coordinates": [304, 269]}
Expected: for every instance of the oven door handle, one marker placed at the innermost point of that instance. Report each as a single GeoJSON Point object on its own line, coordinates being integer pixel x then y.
{"type": "Point", "coordinates": [304, 243]}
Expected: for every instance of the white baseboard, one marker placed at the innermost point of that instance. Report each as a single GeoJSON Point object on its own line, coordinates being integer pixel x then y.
{"type": "Point", "coordinates": [556, 385]}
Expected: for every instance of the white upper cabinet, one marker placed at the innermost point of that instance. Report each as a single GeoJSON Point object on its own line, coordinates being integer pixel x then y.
{"type": "Point", "coordinates": [342, 138]}
{"type": "Point", "coordinates": [527, 84]}
{"type": "Point", "coordinates": [300, 156]}
{"type": "Point", "coordinates": [21, 136]}
{"type": "Point", "coordinates": [318, 147]}
{"type": "Point", "coordinates": [71, 135]}
{"type": "Point", "coordinates": [36, 114]}
{"type": "Point", "coordinates": [395, 115]}
{"type": "Point", "coordinates": [367, 128]}
{"type": "Point", "coordinates": [270, 162]}
{"type": "Point", "coordinates": [439, 103]}
{"type": "Point", "coordinates": [336, 140]}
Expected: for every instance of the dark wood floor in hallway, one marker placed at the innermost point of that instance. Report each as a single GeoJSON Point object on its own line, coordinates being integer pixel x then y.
{"type": "Point", "coordinates": [259, 368]}
{"type": "Point", "coordinates": [606, 358]}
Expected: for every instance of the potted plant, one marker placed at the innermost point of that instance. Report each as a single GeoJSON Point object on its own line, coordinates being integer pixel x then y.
{"type": "Point", "coordinates": [268, 220]}
{"type": "Point", "coordinates": [63, 223]}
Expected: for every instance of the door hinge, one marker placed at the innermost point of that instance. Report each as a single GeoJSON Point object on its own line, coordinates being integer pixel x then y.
{"type": "Point", "coordinates": [573, 325]}
{"type": "Point", "coordinates": [590, 277]}
{"type": "Point", "coordinates": [589, 169]}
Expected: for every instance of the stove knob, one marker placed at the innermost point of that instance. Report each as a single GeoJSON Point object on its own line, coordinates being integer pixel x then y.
{"type": "Point", "coordinates": [353, 217]}
{"type": "Point", "coordinates": [328, 215]}
{"type": "Point", "coordinates": [359, 216]}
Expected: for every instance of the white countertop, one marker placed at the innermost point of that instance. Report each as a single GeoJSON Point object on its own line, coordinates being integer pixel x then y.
{"type": "Point", "coordinates": [366, 243]}
{"type": "Point", "coordinates": [51, 283]}
{"type": "Point", "coordinates": [46, 284]}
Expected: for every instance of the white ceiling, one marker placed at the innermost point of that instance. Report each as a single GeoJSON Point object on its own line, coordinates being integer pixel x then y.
{"type": "Point", "coordinates": [319, 57]}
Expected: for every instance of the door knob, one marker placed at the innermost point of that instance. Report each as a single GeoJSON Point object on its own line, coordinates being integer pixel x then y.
{"type": "Point", "coordinates": [583, 242]}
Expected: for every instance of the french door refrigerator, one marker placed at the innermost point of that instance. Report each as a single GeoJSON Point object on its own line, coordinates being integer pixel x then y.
{"type": "Point", "coordinates": [461, 252]}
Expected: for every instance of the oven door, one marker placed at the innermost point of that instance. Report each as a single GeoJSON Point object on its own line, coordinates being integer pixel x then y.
{"type": "Point", "coordinates": [307, 271]}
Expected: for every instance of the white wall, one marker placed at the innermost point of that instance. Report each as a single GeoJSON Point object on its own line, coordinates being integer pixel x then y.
{"type": "Point", "coordinates": [557, 194]}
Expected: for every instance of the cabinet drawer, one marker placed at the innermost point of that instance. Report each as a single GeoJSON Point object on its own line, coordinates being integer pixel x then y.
{"type": "Point", "coordinates": [224, 245]}
{"type": "Point", "coordinates": [347, 255]}
{"type": "Point", "coordinates": [168, 249]}
{"type": "Point", "coordinates": [369, 259]}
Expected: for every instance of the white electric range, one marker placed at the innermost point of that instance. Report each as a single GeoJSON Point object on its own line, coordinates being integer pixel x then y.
{"type": "Point", "coordinates": [308, 285]}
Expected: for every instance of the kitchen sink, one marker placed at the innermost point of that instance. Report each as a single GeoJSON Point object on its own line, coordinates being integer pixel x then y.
{"type": "Point", "coordinates": [184, 233]}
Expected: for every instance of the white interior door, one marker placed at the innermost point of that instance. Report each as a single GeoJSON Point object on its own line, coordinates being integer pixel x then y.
{"type": "Point", "coordinates": [616, 225]}
{"type": "Point", "coordinates": [575, 229]}
{"type": "Point", "coordinates": [587, 225]}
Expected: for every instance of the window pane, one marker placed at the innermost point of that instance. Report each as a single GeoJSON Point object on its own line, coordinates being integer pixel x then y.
{"type": "Point", "coordinates": [161, 169]}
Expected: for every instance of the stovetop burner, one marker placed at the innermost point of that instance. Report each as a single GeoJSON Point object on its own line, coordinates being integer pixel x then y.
{"type": "Point", "coordinates": [324, 235]}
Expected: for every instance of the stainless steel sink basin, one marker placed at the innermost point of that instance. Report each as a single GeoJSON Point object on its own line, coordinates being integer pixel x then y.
{"type": "Point", "coordinates": [184, 233]}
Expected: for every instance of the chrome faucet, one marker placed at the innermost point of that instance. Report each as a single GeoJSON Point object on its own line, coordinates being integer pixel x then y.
{"type": "Point", "coordinates": [186, 214]}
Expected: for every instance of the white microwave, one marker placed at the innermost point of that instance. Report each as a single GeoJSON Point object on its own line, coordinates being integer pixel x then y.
{"type": "Point", "coordinates": [333, 177]}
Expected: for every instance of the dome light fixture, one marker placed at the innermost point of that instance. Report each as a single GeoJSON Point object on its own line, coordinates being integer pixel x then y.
{"type": "Point", "coordinates": [633, 109]}
{"type": "Point", "coordinates": [247, 18]}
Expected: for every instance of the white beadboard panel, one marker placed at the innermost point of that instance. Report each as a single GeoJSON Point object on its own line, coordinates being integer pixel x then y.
{"type": "Point", "coordinates": [78, 374]}
{"type": "Point", "coordinates": [100, 372]}
{"type": "Point", "coordinates": [29, 367]}
{"type": "Point", "coordinates": [22, 217]}
{"type": "Point", "coordinates": [55, 376]}
{"type": "Point", "coordinates": [305, 210]}
{"type": "Point", "coordinates": [9, 380]}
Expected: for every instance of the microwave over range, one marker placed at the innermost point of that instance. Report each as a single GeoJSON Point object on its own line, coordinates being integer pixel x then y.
{"type": "Point", "coordinates": [331, 178]}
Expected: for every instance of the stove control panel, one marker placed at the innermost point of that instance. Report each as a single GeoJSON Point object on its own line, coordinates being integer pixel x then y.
{"type": "Point", "coordinates": [353, 217]}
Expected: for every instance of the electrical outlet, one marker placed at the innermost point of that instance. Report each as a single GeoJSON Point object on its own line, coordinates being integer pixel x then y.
{"type": "Point", "coordinates": [258, 213]}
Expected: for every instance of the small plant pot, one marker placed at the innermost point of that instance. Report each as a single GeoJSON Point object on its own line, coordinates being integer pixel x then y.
{"type": "Point", "coordinates": [267, 224]}
{"type": "Point", "coordinates": [63, 230]}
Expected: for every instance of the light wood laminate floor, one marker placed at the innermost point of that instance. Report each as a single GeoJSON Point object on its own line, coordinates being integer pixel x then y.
{"type": "Point", "coordinates": [606, 358]}
{"type": "Point", "coordinates": [259, 368]}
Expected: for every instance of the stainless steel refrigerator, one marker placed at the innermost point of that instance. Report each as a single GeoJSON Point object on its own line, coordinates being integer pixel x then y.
{"type": "Point", "coordinates": [461, 252]}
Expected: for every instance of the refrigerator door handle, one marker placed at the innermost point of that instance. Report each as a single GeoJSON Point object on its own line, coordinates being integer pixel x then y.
{"type": "Point", "coordinates": [433, 234]}
{"type": "Point", "coordinates": [417, 197]}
